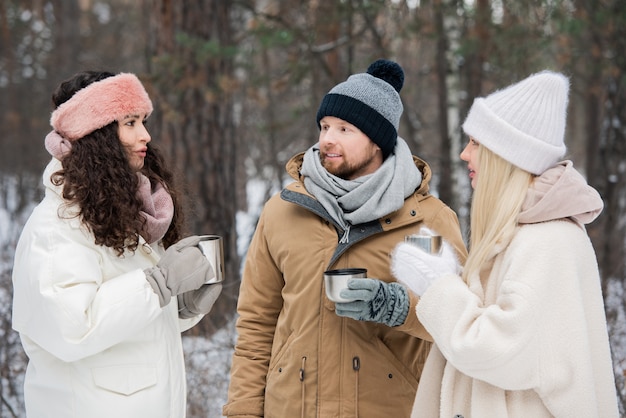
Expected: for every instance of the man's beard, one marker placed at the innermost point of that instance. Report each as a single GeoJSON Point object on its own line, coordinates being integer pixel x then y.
{"type": "Point", "coordinates": [345, 170]}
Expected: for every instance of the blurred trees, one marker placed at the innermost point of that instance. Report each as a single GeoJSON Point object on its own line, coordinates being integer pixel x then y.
{"type": "Point", "coordinates": [45, 42]}
{"type": "Point", "coordinates": [236, 86]}
{"type": "Point", "coordinates": [42, 43]}
{"type": "Point", "coordinates": [191, 66]}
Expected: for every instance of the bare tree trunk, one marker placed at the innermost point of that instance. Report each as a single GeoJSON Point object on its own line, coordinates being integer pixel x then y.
{"type": "Point", "coordinates": [67, 38]}
{"type": "Point", "coordinates": [445, 186]}
{"type": "Point", "coordinates": [192, 70]}
{"type": "Point", "coordinates": [605, 150]}
{"type": "Point", "coordinates": [479, 37]}
{"type": "Point", "coordinates": [476, 38]}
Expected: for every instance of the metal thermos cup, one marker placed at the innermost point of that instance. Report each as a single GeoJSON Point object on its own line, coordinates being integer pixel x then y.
{"type": "Point", "coordinates": [336, 280]}
{"type": "Point", "coordinates": [429, 243]}
{"type": "Point", "coordinates": [213, 249]}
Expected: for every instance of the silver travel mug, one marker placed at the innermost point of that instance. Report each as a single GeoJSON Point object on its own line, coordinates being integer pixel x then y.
{"type": "Point", "coordinates": [336, 280]}
{"type": "Point", "coordinates": [213, 249]}
{"type": "Point", "coordinates": [429, 243]}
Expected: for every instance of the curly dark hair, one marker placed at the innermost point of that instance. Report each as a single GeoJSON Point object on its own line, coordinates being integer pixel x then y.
{"type": "Point", "coordinates": [98, 178]}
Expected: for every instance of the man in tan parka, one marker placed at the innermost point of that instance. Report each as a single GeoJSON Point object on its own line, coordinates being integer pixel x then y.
{"type": "Point", "coordinates": [357, 193]}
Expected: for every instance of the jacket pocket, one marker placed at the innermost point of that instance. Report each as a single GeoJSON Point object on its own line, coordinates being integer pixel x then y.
{"type": "Point", "coordinates": [285, 382]}
{"type": "Point", "coordinates": [125, 379]}
{"type": "Point", "coordinates": [277, 356]}
{"type": "Point", "coordinates": [394, 368]}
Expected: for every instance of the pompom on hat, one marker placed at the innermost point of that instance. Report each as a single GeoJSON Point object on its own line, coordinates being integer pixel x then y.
{"type": "Point", "coordinates": [370, 101]}
{"type": "Point", "coordinates": [525, 122]}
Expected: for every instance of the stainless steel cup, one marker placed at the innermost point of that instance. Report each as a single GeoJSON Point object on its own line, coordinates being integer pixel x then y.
{"type": "Point", "coordinates": [213, 249]}
{"type": "Point", "coordinates": [429, 243]}
{"type": "Point", "coordinates": [335, 280]}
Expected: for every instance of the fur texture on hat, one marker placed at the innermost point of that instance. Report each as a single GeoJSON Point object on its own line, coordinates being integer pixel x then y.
{"type": "Point", "coordinates": [370, 101]}
{"type": "Point", "coordinates": [525, 122]}
{"type": "Point", "coordinates": [99, 104]}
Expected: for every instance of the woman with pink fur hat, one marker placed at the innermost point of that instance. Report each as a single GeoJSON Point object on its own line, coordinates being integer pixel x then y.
{"type": "Point", "coordinates": [103, 282]}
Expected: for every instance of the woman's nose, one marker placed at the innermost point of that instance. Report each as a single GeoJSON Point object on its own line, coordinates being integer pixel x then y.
{"type": "Point", "coordinates": [465, 153]}
{"type": "Point", "coordinates": [145, 135]}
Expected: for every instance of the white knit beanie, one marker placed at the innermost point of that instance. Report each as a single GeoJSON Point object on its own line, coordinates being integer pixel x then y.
{"type": "Point", "coordinates": [525, 122]}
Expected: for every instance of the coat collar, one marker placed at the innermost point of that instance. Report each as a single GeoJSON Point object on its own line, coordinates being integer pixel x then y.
{"type": "Point", "coordinates": [410, 213]}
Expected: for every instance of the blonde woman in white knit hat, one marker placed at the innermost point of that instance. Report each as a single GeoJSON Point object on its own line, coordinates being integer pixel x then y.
{"type": "Point", "coordinates": [521, 332]}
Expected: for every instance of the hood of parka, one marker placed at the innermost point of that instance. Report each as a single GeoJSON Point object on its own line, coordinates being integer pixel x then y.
{"type": "Point", "coordinates": [561, 192]}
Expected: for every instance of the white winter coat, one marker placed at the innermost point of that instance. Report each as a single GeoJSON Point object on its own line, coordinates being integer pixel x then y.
{"type": "Point", "coordinates": [98, 343]}
{"type": "Point", "coordinates": [530, 339]}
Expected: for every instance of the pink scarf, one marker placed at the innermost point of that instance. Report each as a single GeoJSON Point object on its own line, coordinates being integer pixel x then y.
{"type": "Point", "coordinates": [56, 145]}
{"type": "Point", "coordinates": [158, 209]}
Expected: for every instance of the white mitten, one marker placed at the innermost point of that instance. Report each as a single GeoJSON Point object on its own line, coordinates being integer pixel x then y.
{"type": "Point", "coordinates": [417, 269]}
{"type": "Point", "coordinates": [424, 230]}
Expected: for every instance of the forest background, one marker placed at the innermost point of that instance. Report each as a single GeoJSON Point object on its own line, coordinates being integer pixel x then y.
{"type": "Point", "coordinates": [236, 85]}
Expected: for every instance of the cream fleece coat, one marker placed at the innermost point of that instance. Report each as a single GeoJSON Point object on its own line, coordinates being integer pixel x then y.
{"type": "Point", "coordinates": [531, 340]}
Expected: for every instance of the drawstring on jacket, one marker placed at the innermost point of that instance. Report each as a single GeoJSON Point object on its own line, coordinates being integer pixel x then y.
{"type": "Point", "coordinates": [302, 385]}
{"type": "Point", "coordinates": [346, 235]}
{"type": "Point", "coordinates": [356, 365]}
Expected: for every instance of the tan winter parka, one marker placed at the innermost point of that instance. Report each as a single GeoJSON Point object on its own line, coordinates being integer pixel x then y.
{"type": "Point", "coordinates": [294, 356]}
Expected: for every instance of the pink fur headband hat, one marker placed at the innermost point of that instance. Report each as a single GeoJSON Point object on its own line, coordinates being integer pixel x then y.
{"type": "Point", "coordinates": [99, 104]}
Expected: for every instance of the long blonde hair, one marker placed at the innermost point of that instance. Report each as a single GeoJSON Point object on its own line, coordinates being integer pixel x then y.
{"type": "Point", "coordinates": [500, 191]}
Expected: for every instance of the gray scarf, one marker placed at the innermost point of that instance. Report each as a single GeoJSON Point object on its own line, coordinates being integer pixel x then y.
{"type": "Point", "coordinates": [370, 197]}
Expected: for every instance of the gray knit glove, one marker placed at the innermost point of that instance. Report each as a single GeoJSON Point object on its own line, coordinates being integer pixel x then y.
{"type": "Point", "coordinates": [376, 301]}
{"type": "Point", "coordinates": [199, 301]}
{"type": "Point", "coordinates": [181, 269]}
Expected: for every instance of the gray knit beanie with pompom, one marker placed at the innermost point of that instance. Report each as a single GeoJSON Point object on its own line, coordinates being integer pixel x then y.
{"type": "Point", "coordinates": [370, 101]}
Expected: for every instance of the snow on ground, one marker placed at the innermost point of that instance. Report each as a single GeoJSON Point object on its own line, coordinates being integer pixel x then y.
{"type": "Point", "coordinates": [617, 333]}
{"type": "Point", "coordinates": [208, 367]}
